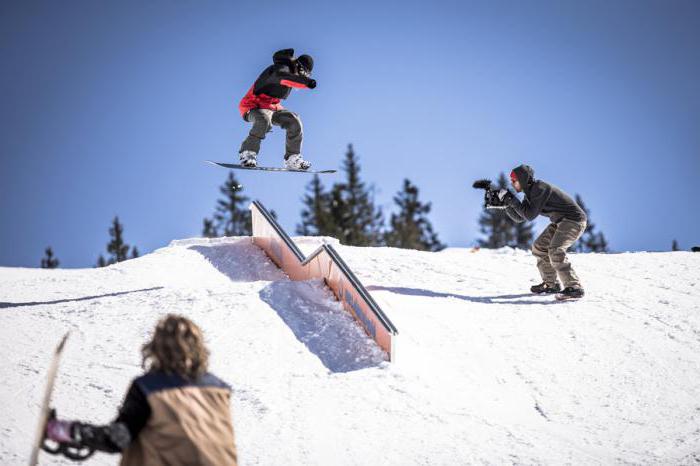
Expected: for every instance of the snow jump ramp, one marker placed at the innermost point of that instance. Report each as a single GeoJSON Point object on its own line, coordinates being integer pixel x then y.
{"type": "Point", "coordinates": [324, 263]}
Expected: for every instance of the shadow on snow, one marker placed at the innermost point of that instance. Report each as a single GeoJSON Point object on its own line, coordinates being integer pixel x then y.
{"type": "Point", "coordinates": [72, 300]}
{"type": "Point", "coordinates": [324, 327]}
{"type": "Point", "coordinates": [500, 299]}
{"type": "Point", "coordinates": [240, 261]}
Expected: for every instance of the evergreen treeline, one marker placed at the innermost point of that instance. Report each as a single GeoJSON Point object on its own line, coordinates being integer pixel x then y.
{"type": "Point", "coordinates": [499, 230]}
{"type": "Point", "coordinates": [347, 211]}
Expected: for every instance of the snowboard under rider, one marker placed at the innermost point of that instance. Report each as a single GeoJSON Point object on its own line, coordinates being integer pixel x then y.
{"type": "Point", "coordinates": [175, 414]}
{"type": "Point", "coordinates": [261, 107]}
{"type": "Point", "coordinates": [568, 222]}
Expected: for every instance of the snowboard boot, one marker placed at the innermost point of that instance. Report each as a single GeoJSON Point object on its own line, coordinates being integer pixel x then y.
{"type": "Point", "coordinates": [570, 292]}
{"type": "Point", "coordinates": [296, 162]}
{"type": "Point", "coordinates": [248, 159]}
{"type": "Point", "coordinates": [546, 288]}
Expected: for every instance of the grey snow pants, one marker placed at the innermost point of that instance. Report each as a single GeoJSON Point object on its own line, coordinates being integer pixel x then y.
{"type": "Point", "coordinates": [550, 250]}
{"type": "Point", "coordinates": [263, 120]}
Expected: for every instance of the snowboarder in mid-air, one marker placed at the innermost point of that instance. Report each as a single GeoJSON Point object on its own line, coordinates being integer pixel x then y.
{"type": "Point", "coordinates": [175, 414]}
{"type": "Point", "coordinates": [261, 107]}
{"type": "Point", "coordinates": [568, 222]}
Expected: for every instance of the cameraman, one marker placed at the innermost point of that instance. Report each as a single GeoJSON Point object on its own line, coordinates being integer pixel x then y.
{"type": "Point", "coordinates": [568, 224]}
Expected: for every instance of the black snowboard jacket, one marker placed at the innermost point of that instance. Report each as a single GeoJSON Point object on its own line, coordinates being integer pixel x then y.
{"type": "Point", "coordinates": [274, 84]}
{"type": "Point", "coordinates": [278, 79]}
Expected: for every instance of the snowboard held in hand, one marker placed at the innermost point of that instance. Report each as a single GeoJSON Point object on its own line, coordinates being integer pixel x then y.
{"type": "Point", "coordinates": [74, 452]}
{"type": "Point", "coordinates": [269, 169]}
{"type": "Point", "coordinates": [44, 412]}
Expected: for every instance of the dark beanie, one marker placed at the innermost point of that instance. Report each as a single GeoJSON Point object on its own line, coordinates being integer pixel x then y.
{"type": "Point", "coordinates": [306, 61]}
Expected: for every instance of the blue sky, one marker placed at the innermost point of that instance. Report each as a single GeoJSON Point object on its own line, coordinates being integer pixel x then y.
{"type": "Point", "coordinates": [110, 108]}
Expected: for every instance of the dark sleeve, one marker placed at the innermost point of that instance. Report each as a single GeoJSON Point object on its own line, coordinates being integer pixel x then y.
{"type": "Point", "coordinates": [135, 411]}
{"type": "Point", "coordinates": [531, 206]}
{"type": "Point", "coordinates": [281, 75]}
{"type": "Point", "coordinates": [112, 438]}
{"type": "Point", "coordinates": [284, 77]}
{"type": "Point", "coordinates": [513, 215]}
{"type": "Point", "coordinates": [118, 435]}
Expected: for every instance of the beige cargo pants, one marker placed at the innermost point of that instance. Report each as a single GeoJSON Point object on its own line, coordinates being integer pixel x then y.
{"type": "Point", "coordinates": [550, 250]}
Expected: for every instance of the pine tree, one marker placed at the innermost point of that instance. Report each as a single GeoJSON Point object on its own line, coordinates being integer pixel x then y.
{"type": "Point", "coordinates": [232, 216]}
{"type": "Point", "coordinates": [209, 231]}
{"type": "Point", "coordinates": [315, 218]}
{"type": "Point", "coordinates": [354, 218]}
{"type": "Point", "coordinates": [410, 228]}
{"type": "Point", "coordinates": [101, 262]}
{"type": "Point", "coordinates": [600, 244]}
{"type": "Point", "coordinates": [117, 247]}
{"type": "Point", "coordinates": [339, 221]}
{"type": "Point", "coordinates": [590, 240]}
{"type": "Point", "coordinates": [49, 262]}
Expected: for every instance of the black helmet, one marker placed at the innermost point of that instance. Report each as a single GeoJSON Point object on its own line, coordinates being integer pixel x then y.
{"type": "Point", "coordinates": [306, 62]}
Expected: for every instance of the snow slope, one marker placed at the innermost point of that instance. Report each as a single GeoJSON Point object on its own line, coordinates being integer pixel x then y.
{"type": "Point", "coordinates": [485, 373]}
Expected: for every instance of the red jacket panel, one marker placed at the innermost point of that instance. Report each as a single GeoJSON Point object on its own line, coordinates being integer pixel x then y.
{"type": "Point", "coordinates": [294, 84]}
{"type": "Point", "coordinates": [264, 101]}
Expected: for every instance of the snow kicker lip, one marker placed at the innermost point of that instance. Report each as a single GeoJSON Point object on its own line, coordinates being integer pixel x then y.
{"type": "Point", "coordinates": [327, 264]}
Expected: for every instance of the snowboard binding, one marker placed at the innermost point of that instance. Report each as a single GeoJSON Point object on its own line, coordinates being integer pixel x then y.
{"type": "Point", "coordinates": [73, 450]}
{"type": "Point", "coordinates": [491, 200]}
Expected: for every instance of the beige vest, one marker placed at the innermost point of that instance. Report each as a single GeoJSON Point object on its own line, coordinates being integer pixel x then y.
{"type": "Point", "coordinates": [189, 425]}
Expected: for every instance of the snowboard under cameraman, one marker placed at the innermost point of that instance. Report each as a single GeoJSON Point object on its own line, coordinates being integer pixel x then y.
{"type": "Point", "coordinates": [261, 107]}
{"type": "Point", "coordinates": [175, 414]}
{"type": "Point", "coordinates": [568, 222]}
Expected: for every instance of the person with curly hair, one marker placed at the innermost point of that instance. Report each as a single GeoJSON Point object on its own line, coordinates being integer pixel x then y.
{"type": "Point", "coordinates": [177, 413]}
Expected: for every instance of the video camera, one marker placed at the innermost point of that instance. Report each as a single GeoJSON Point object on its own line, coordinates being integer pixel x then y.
{"type": "Point", "coordinates": [491, 199]}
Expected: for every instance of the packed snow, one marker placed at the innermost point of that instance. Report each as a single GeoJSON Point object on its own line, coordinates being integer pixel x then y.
{"type": "Point", "coordinates": [485, 373]}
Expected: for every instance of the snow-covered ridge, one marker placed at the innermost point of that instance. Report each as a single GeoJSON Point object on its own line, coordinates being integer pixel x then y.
{"type": "Point", "coordinates": [487, 373]}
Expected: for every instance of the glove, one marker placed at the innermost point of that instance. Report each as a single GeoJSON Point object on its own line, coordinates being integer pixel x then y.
{"type": "Point", "coordinates": [312, 84]}
{"type": "Point", "coordinates": [59, 431]}
{"type": "Point", "coordinates": [505, 196]}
